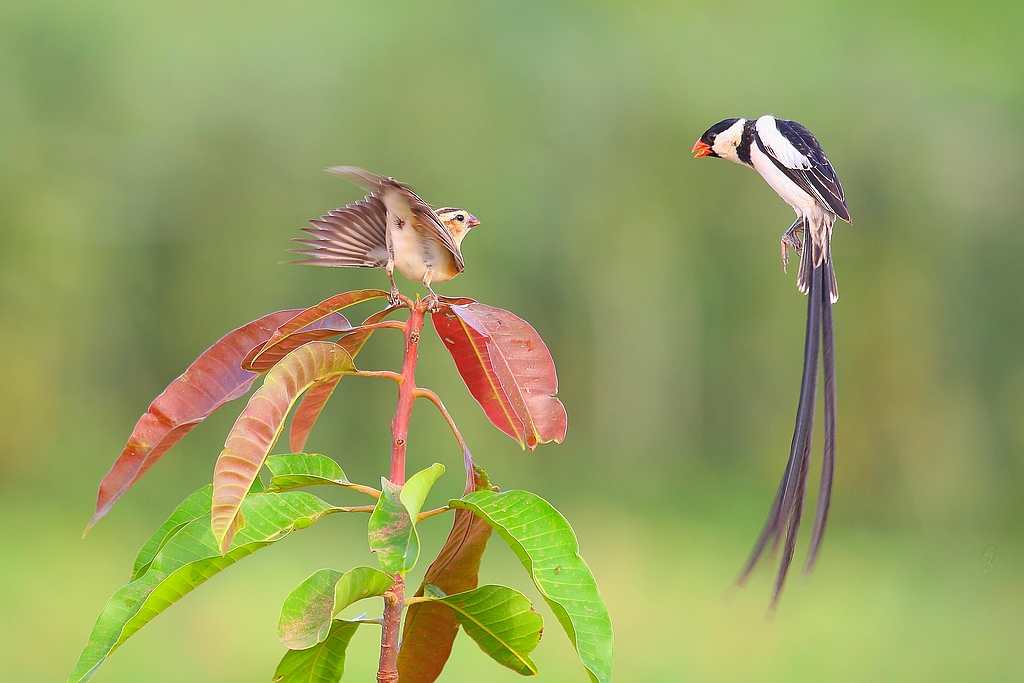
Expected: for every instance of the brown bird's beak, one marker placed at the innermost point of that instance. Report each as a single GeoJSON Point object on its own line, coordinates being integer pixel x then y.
{"type": "Point", "coordinates": [700, 149]}
{"type": "Point", "coordinates": [472, 221]}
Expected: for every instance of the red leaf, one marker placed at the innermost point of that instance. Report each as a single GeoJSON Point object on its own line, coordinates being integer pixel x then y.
{"type": "Point", "coordinates": [430, 628]}
{"type": "Point", "coordinates": [507, 368]}
{"type": "Point", "coordinates": [308, 412]}
{"type": "Point", "coordinates": [215, 378]}
{"type": "Point", "coordinates": [260, 424]}
{"type": "Point", "coordinates": [310, 316]}
{"type": "Point", "coordinates": [313, 400]}
{"type": "Point", "coordinates": [261, 358]}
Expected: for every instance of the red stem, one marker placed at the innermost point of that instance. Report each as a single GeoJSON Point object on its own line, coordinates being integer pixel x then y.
{"type": "Point", "coordinates": [406, 393]}
{"type": "Point", "coordinates": [394, 599]}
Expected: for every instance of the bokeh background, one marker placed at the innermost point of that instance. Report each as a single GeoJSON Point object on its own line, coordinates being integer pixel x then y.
{"type": "Point", "coordinates": [156, 159]}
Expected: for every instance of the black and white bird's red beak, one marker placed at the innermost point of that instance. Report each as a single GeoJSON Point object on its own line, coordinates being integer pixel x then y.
{"type": "Point", "coordinates": [472, 221]}
{"type": "Point", "coordinates": [701, 149]}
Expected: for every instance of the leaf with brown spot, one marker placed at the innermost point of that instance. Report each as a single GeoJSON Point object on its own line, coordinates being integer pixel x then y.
{"type": "Point", "coordinates": [309, 609]}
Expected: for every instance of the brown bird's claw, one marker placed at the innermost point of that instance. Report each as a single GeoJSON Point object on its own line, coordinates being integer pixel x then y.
{"type": "Point", "coordinates": [789, 240]}
{"type": "Point", "coordinates": [433, 302]}
{"type": "Point", "coordinates": [395, 297]}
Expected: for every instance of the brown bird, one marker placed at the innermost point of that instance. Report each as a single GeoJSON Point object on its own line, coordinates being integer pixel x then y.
{"type": "Point", "coordinates": [391, 228]}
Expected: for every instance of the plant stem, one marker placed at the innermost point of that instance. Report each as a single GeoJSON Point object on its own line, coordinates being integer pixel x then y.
{"type": "Point", "coordinates": [394, 602]}
{"type": "Point", "coordinates": [394, 599]}
{"type": "Point", "coordinates": [466, 455]}
{"type": "Point", "coordinates": [406, 392]}
{"type": "Point", "coordinates": [432, 513]}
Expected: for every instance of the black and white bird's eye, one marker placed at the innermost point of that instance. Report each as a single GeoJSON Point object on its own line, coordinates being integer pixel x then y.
{"type": "Point", "coordinates": [460, 218]}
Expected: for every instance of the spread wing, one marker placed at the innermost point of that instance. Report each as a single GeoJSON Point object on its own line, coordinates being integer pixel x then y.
{"type": "Point", "coordinates": [399, 199]}
{"type": "Point", "coordinates": [354, 235]}
{"type": "Point", "coordinates": [796, 152]}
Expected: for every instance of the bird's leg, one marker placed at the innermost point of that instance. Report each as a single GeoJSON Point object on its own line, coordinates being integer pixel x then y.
{"type": "Point", "coordinates": [394, 298]}
{"type": "Point", "coordinates": [427, 279]}
{"type": "Point", "coordinates": [789, 239]}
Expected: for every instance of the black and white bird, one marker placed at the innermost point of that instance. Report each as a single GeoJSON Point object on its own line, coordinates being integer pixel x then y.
{"type": "Point", "coordinates": [791, 161]}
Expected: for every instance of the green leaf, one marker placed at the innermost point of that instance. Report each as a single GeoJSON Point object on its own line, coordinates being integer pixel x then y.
{"type": "Point", "coordinates": [358, 584]}
{"type": "Point", "coordinates": [502, 622]}
{"type": "Point", "coordinates": [430, 629]}
{"type": "Point", "coordinates": [546, 545]}
{"type": "Point", "coordinates": [193, 507]}
{"type": "Point", "coordinates": [392, 529]}
{"type": "Point", "coordinates": [415, 491]}
{"type": "Point", "coordinates": [259, 425]}
{"type": "Point", "coordinates": [322, 663]}
{"type": "Point", "coordinates": [296, 470]}
{"type": "Point", "coordinates": [307, 612]}
{"type": "Point", "coordinates": [186, 560]}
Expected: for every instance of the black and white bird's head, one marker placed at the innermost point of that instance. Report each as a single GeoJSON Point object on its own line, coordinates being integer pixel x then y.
{"type": "Point", "coordinates": [722, 140]}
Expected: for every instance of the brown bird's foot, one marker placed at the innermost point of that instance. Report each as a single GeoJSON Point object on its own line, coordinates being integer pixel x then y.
{"type": "Point", "coordinates": [394, 297]}
{"type": "Point", "coordinates": [790, 240]}
{"type": "Point", "coordinates": [434, 301]}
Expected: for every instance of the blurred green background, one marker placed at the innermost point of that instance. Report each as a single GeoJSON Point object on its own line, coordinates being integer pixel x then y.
{"type": "Point", "coordinates": [156, 159]}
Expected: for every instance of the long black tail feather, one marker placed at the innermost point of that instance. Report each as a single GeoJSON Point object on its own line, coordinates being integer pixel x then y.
{"type": "Point", "coordinates": [783, 521]}
{"type": "Point", "coordinates": [828, 461]}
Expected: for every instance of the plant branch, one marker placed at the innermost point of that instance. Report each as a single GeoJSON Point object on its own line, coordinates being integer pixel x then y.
{"type": "Point", "coordinates": [386, 374]}
{"type": "Point", "coordinates": [368, 490]}
{"type": "Point", "coordinates": [383, 325]}
{"type": "Point", "coordinates": [432, 513]}
{"type": "Point", "coordinates": [406, 392]}
{"type": "Point", "coordinates": [417, 599]}
{"type": "Point", "coordinates": [394, 599]}
{"type": "Point", "coordinates": [467, 457]}
{"type": "Point", "coordinates": [391, 621]}
{"type": "Point", "coordinates": [356, 508]}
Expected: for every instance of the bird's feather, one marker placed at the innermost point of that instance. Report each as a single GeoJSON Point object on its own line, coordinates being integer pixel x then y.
{"type": "Point", "coordinates": [797, 153]}
{"type": "Point", "coordinates": [394, 195]}
{"type": "Point", "coordinates": [783, 521]}
{"type": "Point", "coordinates": [828, 463]}
{"type": "Point", "coordinates": [354, 235]}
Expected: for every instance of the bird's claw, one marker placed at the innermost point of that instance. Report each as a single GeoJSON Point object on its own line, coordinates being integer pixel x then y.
{"type": "Point", "coordinates": [394, 297]}
{"type": "Point", "coordinates": [433, 302]}
{"type": "Point", "coordinates": [789, 240]}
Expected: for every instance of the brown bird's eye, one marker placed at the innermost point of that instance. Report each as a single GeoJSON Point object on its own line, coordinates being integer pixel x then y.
{"type": "Point", "coordinates": [460, 218]}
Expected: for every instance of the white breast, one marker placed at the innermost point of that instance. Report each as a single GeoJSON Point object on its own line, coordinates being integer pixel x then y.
{"type": "Point", "coordinates": [790, 192]}
{"type": "Point", "coordinates": [405, 245]}
{"type": "Point", "coordinates": [415, 255]}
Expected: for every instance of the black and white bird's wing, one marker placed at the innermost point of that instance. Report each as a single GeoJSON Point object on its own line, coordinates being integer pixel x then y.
{"type": "Point", "coordinates": [354, 236]}
{"type": "Point", "coordinates": [796, 152]}
{"type": "Point", "coordinates": [402, 201]}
